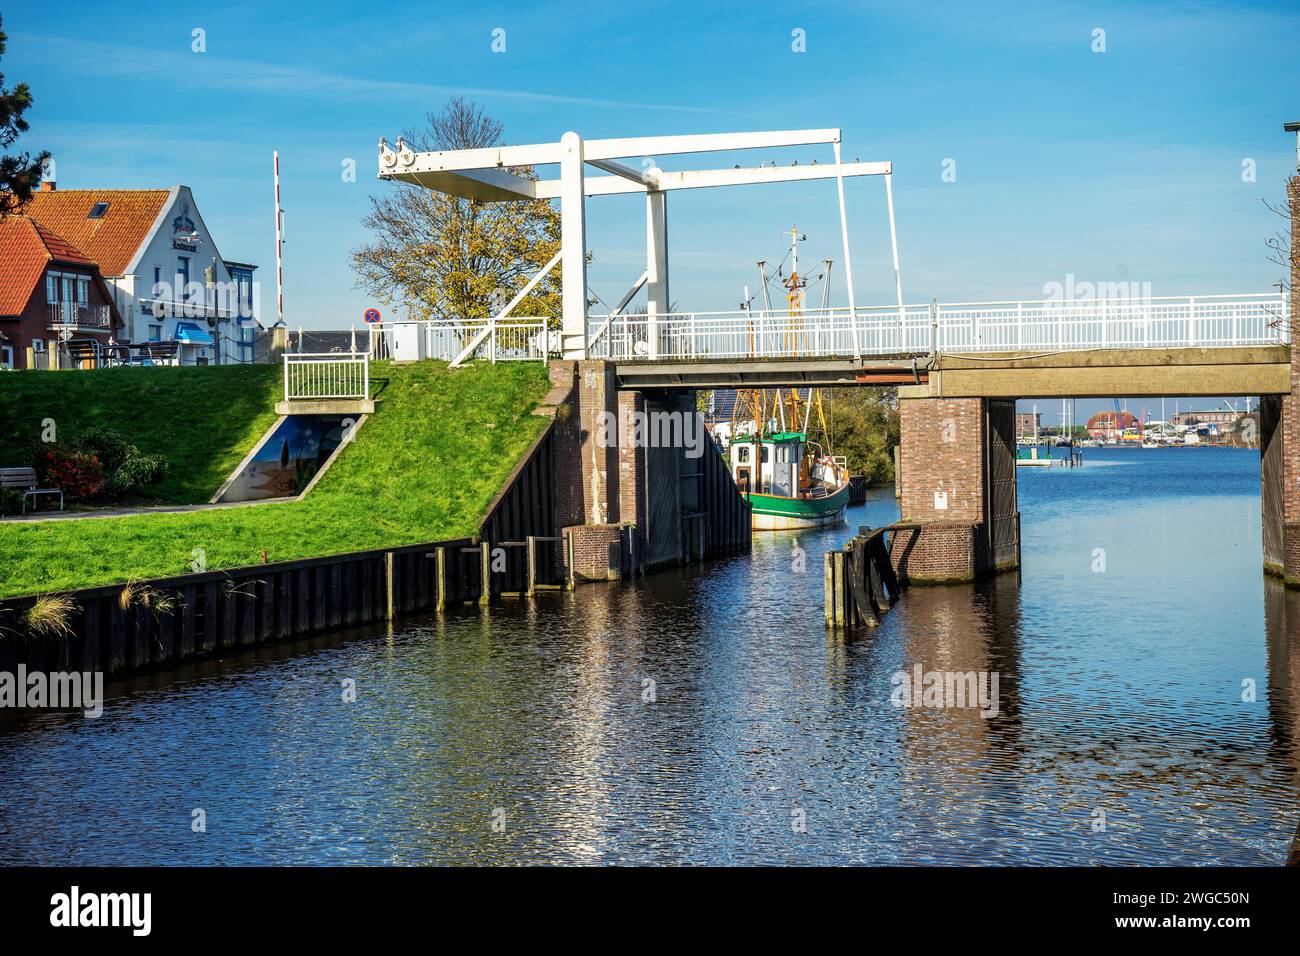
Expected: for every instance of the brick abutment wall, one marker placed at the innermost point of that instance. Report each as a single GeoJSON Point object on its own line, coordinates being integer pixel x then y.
{"type": "Point", "coordinates": [947, 456]}
{"type": "Point", "coordinates": [1289, 471]}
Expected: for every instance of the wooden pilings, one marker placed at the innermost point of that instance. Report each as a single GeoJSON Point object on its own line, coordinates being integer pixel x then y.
{"type": "Point", "coordinates": [860, 583]}
{"type": "Point", "coordinates": [124, 629]}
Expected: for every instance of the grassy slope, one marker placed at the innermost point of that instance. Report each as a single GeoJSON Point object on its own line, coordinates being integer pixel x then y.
{"type": "Point", "coordinates": [424, 468]}
{"type": "Point", "coordinates": [202, 420]}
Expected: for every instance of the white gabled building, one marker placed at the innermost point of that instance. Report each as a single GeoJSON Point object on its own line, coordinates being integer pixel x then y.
{"type": "Point", "coordinates": [169, 281]}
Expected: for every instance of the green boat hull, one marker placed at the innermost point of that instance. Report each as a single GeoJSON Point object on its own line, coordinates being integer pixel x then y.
{"type": "Point", "coordinates": [776, 513]}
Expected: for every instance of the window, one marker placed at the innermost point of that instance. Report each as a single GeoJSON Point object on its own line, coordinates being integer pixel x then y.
{"type": "Point", "coordinates": [6, 356]}
{"type": "Point", "coordinates": [51, 287]}
{"type": "Point", "coordinates": [155, 333]}
{"type": "Point", "coordinates": [67, 288]}
{"type": "Point", "coordinates": [97, 211]}
{"type": "Point", "coordinates": [157, 281]}
{"type": "Point", "coordinates": [183, 275]}
{"type": "Point", "coordinates": [767, 454]}
{"type": "Point", "coordinates": [744, 454]}
{"type": "Point", "coordinates": [83, 290]}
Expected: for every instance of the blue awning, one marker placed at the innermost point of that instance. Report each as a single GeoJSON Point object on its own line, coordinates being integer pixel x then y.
{"type": "Point", "coordinates": [187, 333]}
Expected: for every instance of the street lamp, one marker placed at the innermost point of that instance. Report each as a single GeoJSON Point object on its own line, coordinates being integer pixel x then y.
{"type": "Point", "coordinates": [1294, 128]}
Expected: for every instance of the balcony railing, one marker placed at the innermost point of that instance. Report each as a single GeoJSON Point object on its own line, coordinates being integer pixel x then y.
{"type": "Point", "coordinates": [78, 315]}
{"type": "Point", "coordinates": [191, 309]}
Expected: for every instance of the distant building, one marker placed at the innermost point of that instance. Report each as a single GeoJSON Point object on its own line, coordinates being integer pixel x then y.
{"type": "Point", "coordinates": [1220, 417]}
{"type": "Point", "coordinates": [1111, 424]}
{"type": "Point", "coordinates": [1027, 423]}
{"type": "Point", "coordinates": [169, 282]}
{"type": "Point", "coordinates": [52, 296]}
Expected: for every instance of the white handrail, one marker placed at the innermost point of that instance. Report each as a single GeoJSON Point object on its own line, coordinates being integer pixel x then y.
{"type": "Point", "coordinates": [1218, 321]}
{"type": "Point", "coordinates": [310, 376]}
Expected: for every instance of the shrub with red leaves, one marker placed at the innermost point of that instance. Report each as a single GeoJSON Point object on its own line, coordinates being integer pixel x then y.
{"type": "Point", "coordinates": [77, 474]}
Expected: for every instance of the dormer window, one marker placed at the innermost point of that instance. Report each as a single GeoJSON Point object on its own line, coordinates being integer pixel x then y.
{"type": "Point", "coordinates": [97, 211]}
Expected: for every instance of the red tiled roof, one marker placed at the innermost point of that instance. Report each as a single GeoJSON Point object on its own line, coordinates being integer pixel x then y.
{"type": "Point", "coordinates": [110, 241]}
{"type": "Point", "coordinates": [26, 248]}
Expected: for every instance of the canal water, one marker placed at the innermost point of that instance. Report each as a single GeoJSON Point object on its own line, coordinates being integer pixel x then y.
{"type": "Point", "coordinates": [706, 715]}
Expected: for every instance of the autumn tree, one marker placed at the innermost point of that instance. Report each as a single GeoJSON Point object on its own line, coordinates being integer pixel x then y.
{"type": "Point", "coordinates": [446, 257]}
{"type": "Point", "coordinates": [862, 425]}
{"type": "Point", "coordinates": [19, 172]}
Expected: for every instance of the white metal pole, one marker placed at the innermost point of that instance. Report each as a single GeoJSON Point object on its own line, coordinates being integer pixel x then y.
{"type": "Point", "coordinates": [573, 248]}
{"type": "Point", "coordinates": [656, 287]}
{"type": "Point", "coordinates": [893, 242]}
{"type": "Point", "coordinates": [844, 239]}
{"type": "Point", "coordinates": [279, 244]}
{"type": "Point", "coordinates": [762, 274]}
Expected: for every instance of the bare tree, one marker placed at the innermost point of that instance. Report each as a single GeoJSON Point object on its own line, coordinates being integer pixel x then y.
{"type": "Point", "coordinates": [446, 257]}
{"type": "Point", "coordinates": [1282, 249]}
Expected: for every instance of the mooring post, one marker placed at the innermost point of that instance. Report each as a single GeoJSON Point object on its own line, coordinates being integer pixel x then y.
{"type": "Point", "coordinates": [857, 575]}
{"type": "Point", "coordinates": [485, 574]}
{"type": "Point", "coordinates": [828, 586]}
{"type": "Point", "coordinates": [568, 560]}
{"type": "Point", "coordinates": [837, 599]}
{"type": "Point", "coordinates": [388, 582]}
{"type": "Point", "coordinates": [440, 571]}
{"type": "Point", "coordinates": [530, 542]}
{"type": "Point", "coordinates": [876, 587]}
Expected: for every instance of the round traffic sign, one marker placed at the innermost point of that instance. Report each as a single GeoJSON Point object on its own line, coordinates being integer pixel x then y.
{"type": "Point", "coordinates": [372, 315]}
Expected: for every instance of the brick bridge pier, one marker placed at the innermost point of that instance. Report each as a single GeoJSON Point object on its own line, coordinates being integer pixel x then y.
{"type": "Point", "coordinates": [635, 506]}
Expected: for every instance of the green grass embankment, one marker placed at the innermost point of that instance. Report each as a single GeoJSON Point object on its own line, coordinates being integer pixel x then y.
{"type": "Point", "coordinates": [425, 467]}
{"type": "Point", "coordinates": [202, 420]}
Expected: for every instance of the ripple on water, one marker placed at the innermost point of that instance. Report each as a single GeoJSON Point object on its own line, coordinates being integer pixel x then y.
{"type": "Point", "coordinates": [766, 741]}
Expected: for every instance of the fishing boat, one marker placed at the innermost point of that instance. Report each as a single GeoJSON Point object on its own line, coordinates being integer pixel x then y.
{"type": "Point", "coordinates": [789, 481]}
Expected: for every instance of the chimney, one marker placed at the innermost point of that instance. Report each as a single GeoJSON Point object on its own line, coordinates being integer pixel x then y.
{"type": "Point", "coordinates": [48, 186]}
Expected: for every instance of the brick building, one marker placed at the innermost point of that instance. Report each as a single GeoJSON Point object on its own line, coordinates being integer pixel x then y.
{"type": "Point", "coordinates": [52, 296]}
{"type": "Point", "coordinates": [168, 281]}
{"type": "Point", "coordinates": [1223, 418]}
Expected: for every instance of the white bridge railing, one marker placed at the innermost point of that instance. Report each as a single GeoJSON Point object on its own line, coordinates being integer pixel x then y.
{"type": "Point", "coordinates": [1033, 326]}
{"type": "Point", "coordinates": [326, 375]}
{"type": "Point", "coordinates": [1210, 321]}
{"type": "Point", "coordinates": [507, 340]}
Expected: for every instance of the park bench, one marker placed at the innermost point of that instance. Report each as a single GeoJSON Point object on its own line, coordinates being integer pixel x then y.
{"type": "Point", "coordinates": [25, 479]}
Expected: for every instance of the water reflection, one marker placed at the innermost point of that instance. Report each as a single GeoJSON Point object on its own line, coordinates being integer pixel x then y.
{"type": "Point", "coordinates": [707, 716]}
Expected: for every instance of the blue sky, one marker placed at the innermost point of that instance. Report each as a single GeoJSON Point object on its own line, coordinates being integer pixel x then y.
{"type": "Point", "coordinates": [1117, 166]}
